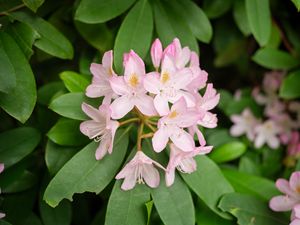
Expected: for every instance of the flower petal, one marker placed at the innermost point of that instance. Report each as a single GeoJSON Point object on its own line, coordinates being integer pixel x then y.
{"type": "Point", "coordinates": [103, 147]}
{"type": "Point", "coordinates": [1, 167]}
{"type": "Point", "coordinates": [156, 52]}
{"type": "Point", "coordinates": [170, 176]}
{"type": "Point", "coordinates": [152, 83]}
{"type": "Point", "coordinates": [237, 130]}
{"type": "Point", "coordinates": [182, 140]}
{"type": "Point", "coordinates": [92, 128]}
{"type": "Point", "coordinates": [160, 139]}
{"type": "Point", "coordinates": [145, 104]}
{"type": "Point", "coordinates": [120, 107]}
{"type": "Point", "coordinates": [134, 65]}
{"type": "Point", "coordinates": [282, 203]}
{"type": "Point", "coordinates": [119, 86]}
{"type": "Point", "coordinates": [161, 105]}
{"type": "Point", "coordinates": [129, 181]}
{"type": "Point", "coordinates": [295, 182]}
{"type": "Point", "coordinates": [93, 113]}
{"type": "Point", "coordinates": [150, 175]}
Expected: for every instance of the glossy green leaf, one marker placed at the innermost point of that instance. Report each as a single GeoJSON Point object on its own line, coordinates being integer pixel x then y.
{"type": "Point", "coordinates": [250, 184]}
{"type": "Point", "coordinates": [84, 173]}
{"type": "Point", "coordinates": [99, 11]}
{"type": "Point", "coordinates": [250, 210]}
{"type": "Point", "coordinates": [216, 8]}
{"type": "Point", "coordinates": [275, 37]}
{"type": "Point", "coordinates": [2, 222]}
{"type": "Point", "coordinates": [290, 86]}
{"type": "Point", "coordinates": [46, 92]}
{"type": "Point", "coordinates": [52, 41]}
{"type": "Point", "coordinates": [149, 206]}
{"type": "Point", "coordinates": [74, 82]}
{"type": "Point", "coordinates": [97, 35]}
{"type": "Point", "coordinates": [20, 100]}
{"type": "Point", "coordinates": [259, 17]}
{"type": "Point", "coordinates": [275, 59]}
{"type": "Point", "coordinates": [24, 181]}
{"type": "Point", "coordinates": [62, 214]}
{"type": "Point", "coordinates": [135, 33]}
{"type": "Point", "coordinates": [33, 4]}
{"type": "Point", "coordinates": [201, 181]}
{"type": "Point", "coordinates": [219, 137]}
{"type": "Point", "coordinates": [179, 198]}
{"type": "Point", "coordinates": [32, 219]}
{"type": "Point", "coordinates": [17, 143]}
{"type": "Point", "coordinates": [69, 105]}
{"type": "Point", "coordinates": [56, 156]}
{"type": "Point", "coordinates": [228, 152]}
{"type": "Point", "coordinates": [66, 132]}
{"type": "Point", "coordinates": [195, 18]}
{"type": "Point", "coordinates": [297, 4]}
{"type": "Point", "coordinates": [24, 36]}
{"type": "Point", "coordinates": [127, 207]}
{"type": "Point", "coordinates": [240, 18]}
{"type": "Point", "coordinates": [169, 25]}
{"type": "Point", "coordinates": [247, 165]}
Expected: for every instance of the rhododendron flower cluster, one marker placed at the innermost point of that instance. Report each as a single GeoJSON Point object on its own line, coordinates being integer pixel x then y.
{"type": "Point", "coordinates": [291, 198]}
{"type": "Point", "coordinates": [165, 104]}
{"type": "Point", "coordinates": [281, 121]}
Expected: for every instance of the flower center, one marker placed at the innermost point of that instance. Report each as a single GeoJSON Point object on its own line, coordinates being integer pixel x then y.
{"type": "Point", "coordinates": [173, 114]}
{"type": "Point", "coordinates": [165, 77]}
{"type": "Point", "coordinates": [133, 80]}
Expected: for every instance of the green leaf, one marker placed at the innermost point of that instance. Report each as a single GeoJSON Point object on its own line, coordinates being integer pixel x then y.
{"type": "Point", "coordinates": [149, 206]}
{"type": "Point", "coordinates": [247, 165]}
{"type": "Point", "coordinates": [69, 105]}
{"type": "Point", "coordinates": [20, 100]}
{"type": "Point", "coordinates": [259, 17]}
{"type": "Point", "coordinates": [201, 181]}
{"type": "Point", "coordinates": [249, 184]}
{"type": "Point", "coordinates": [99, 11]}
{"type": "Point", "coordinates": [297, 4]}
{"type": "Point", "coordinates": [179, 198]}
{"type": "Point", "coordinates": [52, 41]}
{"type": "Point", "coordinates": [227, 152]}
{"type": "Point", "coordinates": [195, 18]}
{"type": "Point", "coordinates": [2, 222]}
{"type": "Point", "coordinates": [33, 4]}
{"type": "Point", "coordinates": [97, 35]}
{"type": "Point", "coordinates": [169, 25]}
{"type": "Point", "coordinates": [219, 137]}
{"type": "Point", "coordinates": [74, 82]}
{"type": "Point", "coordinates": [62, 214]}
{"type": "Point", "coordinates": [250, 210]}
{"type": "Point", "coordinates": [24, 181]}
{"type": "Point", "coordinates": [17, 143]}
{"type": "Point", "coordinates": [275, 59]}
{"type": "Point", "coordinates": [240, 18]}
{"type": "Point", "coordinates": [84, 173]}
{"type": "Point", "coordinates": [56, 156]}
{"type": "Point", "coordinates": [290, 86]}
{"type": "Point", "coordinates": [135, 33]}
{"type": "Point", "coordinates": [127, 207]}
{"type": "Point", "coordinates": [216, 8]}
{"type": "Point", "coordinates": [275, 38]}
{"type": "Point", "coordinates": [32, 219]}
{"type": "Point", "coordinates": [66, 132]}
{"type": "Point", "coordinates": [46, 92]}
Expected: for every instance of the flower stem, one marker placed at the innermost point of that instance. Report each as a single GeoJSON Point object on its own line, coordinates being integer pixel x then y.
{"type": "Point", "coordinates": [150, 126]}
{"type": "Point", "coordinates": [129, 121]}
{"type": "Point", "coordinates": [5, 13]}
{"type": "Point", "coordinates": [139, 137]}
{"type": "Point", "coordinates": [148, 135]}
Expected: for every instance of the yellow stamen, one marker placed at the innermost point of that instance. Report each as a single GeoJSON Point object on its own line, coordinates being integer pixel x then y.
{"type": "Point", "coordinates": [133, 80]}
{"type": "Point", "coordinates": [173, 114]}
{"type": "Point", "coordinates": [165, 77]}
{"type": "Point", "coordinates": [110, 72]}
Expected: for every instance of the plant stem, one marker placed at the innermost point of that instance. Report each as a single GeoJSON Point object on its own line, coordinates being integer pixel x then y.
{"type": "Point", "coordinates": [129, 121]}
{"type": "Point", "coordinates": [139, 137]}
{"type": "Point", "coordinates": [148, 135]}
{"type": "Point", "coordinates": [4, 13]}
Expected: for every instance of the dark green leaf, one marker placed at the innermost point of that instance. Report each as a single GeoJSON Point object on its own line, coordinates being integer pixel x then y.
{"type": "Point", "coordinates": [66, 132]}
{"type": "Point", "coordinates": [60, 215]}
{"type": "Point", "coordinates": [240, 16]}
{"type": "Point", "coordinates": [219, 137]}
{"type": "Point", "coordinates": [99, 11]}
{"type": "Point", "coordinates": [201, 181]}
{"type": "Point", "coordinates": [290, 86]}
{"type": "Point", "coordinates": [51, 41]}
{"type": "Point", "coordinates": [56, 156]}
{"type": "Point", "coordinates": [195, 19]}
{"type": "Point", "coordinates": [275, 59]}
{"type": "Point", "coordinates": [32, 219]}
{"type": "Point", "coordinates": [247, 165]}
{"type": "Point", "coordinates": [149, 206]}
{"type": "Point", "coordinates": [179, 198]}
{"type": "Point", "coordinates": [2, 222]}
{"type": "Point", "coordinates": [297, 4]}
{"type": "Point", "coordinates": [74, 82]}
{"type": "Point", "coordinates": [17, 143]}
{"type": "Point", "coordinates": [169, 25]}
{"type": "Point", "coordinates": [250, 210]}
{"type": "Point", "coordinates": [135, 33]}
{"type": "Point", "coordinates": [20, 100]}
{"type": "Point", "coordinates": [127, 207]}
{"type": "Point", "coordinates": [46, 92]}
{"type": "Point", "coordinates": [24, 36]}
{"type": "Point", "coordinates": [25, 181]}
{"type": "Point", "coordinates": [228, 151]}
{"type": "Point", "coordinates": [250, 184]}
{"type": "Point", "coordinates": [33, 4]}
{"type": "Point", "coordinates": [84, 173]}
{"type": "Point", "coordinates": [216, 8]}
{"type": "Point", "coordinates": [275, 38]}
{"type": "Point", "coordinates": [259, 17]}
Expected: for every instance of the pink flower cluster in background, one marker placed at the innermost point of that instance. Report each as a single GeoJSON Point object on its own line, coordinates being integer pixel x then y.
{"type": "Point", "coordinates": [281, 121]}
{"type": "Point", "coordinates": [166, 101]}
{"type": "Point", "coordinates": [291, 198]}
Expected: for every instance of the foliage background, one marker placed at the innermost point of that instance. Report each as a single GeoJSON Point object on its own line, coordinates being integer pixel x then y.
{"type": "Point", "coordinates": [46, 48]}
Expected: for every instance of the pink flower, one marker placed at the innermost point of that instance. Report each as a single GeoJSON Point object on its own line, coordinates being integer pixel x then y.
{"type": "Point", "coordinates": [294, 144]}
{"type": "Point", "coordinates": [130, 89]}
{"type": "Point", "coordinates": [291, 191]}
{"type": "Point", "coordinates": [295, 216]}
{"type": "Point", "coordinates": [272, 81]}
{"type": "Point", "coordinates": [171, 126]}
{"type": "Point", "coordinates": [244, 124]}
{"type": "Point", "coordinates": [139, 170]}
{"type": "Point", "coordinates": [102, 73]}
{"type": "Point", "coordinates": [156, 53]}
{"type": "Point", "coordinates": [267, 133]}
{"type": "Point", "coordinates": [100, 128]}
{"type": "Point", "coordinates": [169, 85]}
{"type": "Point", "coordinates": [184, 161]}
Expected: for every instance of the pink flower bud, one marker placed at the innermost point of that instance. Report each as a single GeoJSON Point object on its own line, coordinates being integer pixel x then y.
{"type": "Point", "coordinates": [156, 53]}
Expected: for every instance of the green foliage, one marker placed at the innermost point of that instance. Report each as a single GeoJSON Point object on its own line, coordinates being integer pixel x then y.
{"type": "Point", "coordinates": [290, 86]}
